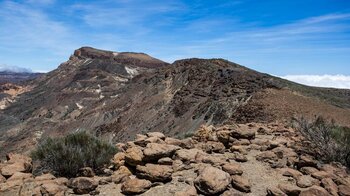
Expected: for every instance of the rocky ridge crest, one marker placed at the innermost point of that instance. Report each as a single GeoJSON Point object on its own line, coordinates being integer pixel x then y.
{"type": "Point", "coordinates": [241, 159]}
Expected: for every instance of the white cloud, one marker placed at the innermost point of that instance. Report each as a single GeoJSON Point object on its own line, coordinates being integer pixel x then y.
{"type": "Point", "coordinates": [335, 81]}
{"type": "Point", "coordinates": [15, 69]}
{"type": "Point", "coordinates": [29, 28]}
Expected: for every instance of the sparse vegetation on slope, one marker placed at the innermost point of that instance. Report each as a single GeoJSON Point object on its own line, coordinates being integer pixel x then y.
{"type": "Point", "coordinates": [331, 142]}
{"type": "Point", "coordinates": [65, 156]}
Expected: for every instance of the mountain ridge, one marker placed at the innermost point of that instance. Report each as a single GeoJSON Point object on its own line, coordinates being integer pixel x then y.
{"type": "Point", "coordinates": [117, 98]}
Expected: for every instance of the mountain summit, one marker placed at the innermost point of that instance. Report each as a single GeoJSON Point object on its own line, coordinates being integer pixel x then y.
{"type": "Point", "coordinates": [117, 95]}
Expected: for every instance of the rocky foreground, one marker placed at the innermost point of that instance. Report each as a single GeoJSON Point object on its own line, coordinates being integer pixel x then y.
{"type": "Point", "coordinates": [246, 159]}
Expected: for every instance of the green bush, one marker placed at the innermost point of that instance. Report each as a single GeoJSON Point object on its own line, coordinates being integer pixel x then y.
{"type": "Point", "coordinates": [66, 155]}
{"type": "Point", "coordinates": [330, 141]}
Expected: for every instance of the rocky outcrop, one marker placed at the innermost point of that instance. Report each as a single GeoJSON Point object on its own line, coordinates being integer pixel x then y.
{"type": "Point", "coordinates": [215, 161]}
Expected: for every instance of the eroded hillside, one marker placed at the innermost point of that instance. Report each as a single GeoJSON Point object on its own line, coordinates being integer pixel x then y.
{"type": "Point", "coordinates": [117, 95]}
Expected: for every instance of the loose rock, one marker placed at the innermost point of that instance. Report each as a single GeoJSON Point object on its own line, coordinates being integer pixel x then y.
{"type": "Point", "coordinates": [290, 190]}
{"type": "Point", "coordinates": [344, 190]}
{"type": "Point", "coordinates": [212, 180]}
{"type": "Point", "coordinates": [330, 186]}
{"type": "Point", "coordinates": [232, 168]}
{"type": "Point", "coordinates": [135, 186]}
{"type": "Point", "coordinates": [306, 181]}
{"type": "Point", "coordinates": [83, 185]}
{"type": "Point", "coordinates": [314, 191]}
{"type": "Point", "coordinates": [154, 151]}
{"type": "Point", "coordinates": [134, 156]}
{"type": "Point", "coordinates": [155, 173]}
{"type": "Point", "coordinates": [241, 184]}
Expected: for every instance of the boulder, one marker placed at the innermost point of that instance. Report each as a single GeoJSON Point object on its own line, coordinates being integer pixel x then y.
{"type": "Point", "coordinates": [121, 174]}
{"type": "Point", "coordinates": [155, 151]}
{"type": "Point", "coordinates": [273, 191]}
{"type": "Point", "coordinates": [62, 181]}
{"type": "Point", "coordinates": [173, 141]}
{"type": "Point", "coordinates": [211, 147]}
{"type": "Point", "coordinates": [178, 165]}
{"type": "Point", "coordinates": [240, 149]}
{"type": "Point", "coordinates": [140, 140]}
{"type": "Point", "coordinates": [224, 136]}
{"type": "Point", "coordinates": [165, 161]}
{"type": "Point", "coordinates": [135, 186]}
{"type": "Point", "coordinates": [144, 142]}
{"type": "Point", "coordinates": [11, 169]}
{"type": "Point", "coordinates": [118, 159]}
{"type": "Point", "coordinates": [210, 159]}
{"type": "Point", "coordinates": [314, 191]}
{"type": "Point", "coordinates": [321, 174]}
{"type": "Point", "coordinates": [17, 158]}
{"type": "Point", "coordinates": [134, 156]}
{"type": "Point", "coordinates": [330, 186]}
{"type": "Point", "coordinates": [344, 190]}
{"type": "Point", "coordinates": [243, 134]}
{"type": "Point", "coordinates": [156, 134]}
{"type": "Point", "coordinates": [308, 170]}
{"type": "Point", "coordinates": [205, 133]}
{"type": "Point", "coordinates": [290, 190]}
{"type": "Point", "coordinates": [266, 156]}
{"type": "Point", "coordinates": [232, 168]}
{"type": "Point", "coordinates": [52, 188]}
{"type": "Point", "coordinates": [20, 176]}
{"type": "Point", "coordinates": [187, 143]}
{"type": "Point", "coordinates": [241, 184]}
{"type": "Point", "coordinates": [189, 191]}
{"type": "Point", "coordinates": [284, 152]}
{"type": "Point", "coordinates": [306, 181]}
{"type": "Point", "coordinates": [83, 185]}
{"type": "Point", "coordinates": [306, 161]}
{"type": "Point", "coordinates": [212, 180]}
{"type": "Point", "coordinates": [232, 192]}
{"type": "Point", "coordinates": [188, 154]}
{"type": "Point", "coordinates": [155, 173]}
{"type": "Point", "coordinates": [241, 142]}
{"type": "Point", "coordinates": [240, 157]}
{"type": "Point", "coordinates": [121, 147]}
{"type": "Point", "coordinates": [289, 172]}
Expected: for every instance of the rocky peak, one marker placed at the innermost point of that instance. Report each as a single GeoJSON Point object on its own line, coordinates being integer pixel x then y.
{"type": "Point", "coordinates": [127, 58]}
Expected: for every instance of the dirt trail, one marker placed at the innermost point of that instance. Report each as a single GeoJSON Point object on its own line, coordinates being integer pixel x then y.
{"type": "Point", "coordinates": [260, 174]}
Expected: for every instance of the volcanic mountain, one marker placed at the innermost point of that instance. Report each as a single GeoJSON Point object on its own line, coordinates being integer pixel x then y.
{"type": "Point", "coordinates": [117, 95]}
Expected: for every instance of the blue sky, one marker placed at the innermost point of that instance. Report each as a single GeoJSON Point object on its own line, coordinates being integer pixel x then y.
{"type": "Point", "coordinates": [280, 37]}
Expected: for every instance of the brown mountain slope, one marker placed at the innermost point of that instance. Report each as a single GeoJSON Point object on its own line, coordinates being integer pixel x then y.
{"type": "Point", "coordinates": [117, 95]}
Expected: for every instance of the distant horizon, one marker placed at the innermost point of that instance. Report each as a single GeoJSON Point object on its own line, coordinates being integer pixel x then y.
{"type": "Point", "coordinates": [300, 39]}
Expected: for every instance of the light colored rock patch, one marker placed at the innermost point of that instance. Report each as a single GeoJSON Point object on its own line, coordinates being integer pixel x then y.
{"type": "Point", "coordinates": [131, 71]}
{"type": "Point", "coordinates": [79, 106]}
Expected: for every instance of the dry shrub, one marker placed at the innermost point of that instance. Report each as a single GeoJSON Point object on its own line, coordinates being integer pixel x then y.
{"type": "Point", "coordinates": [65, 156]}
{"type": "Point", "coordinates": [330, 141]}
